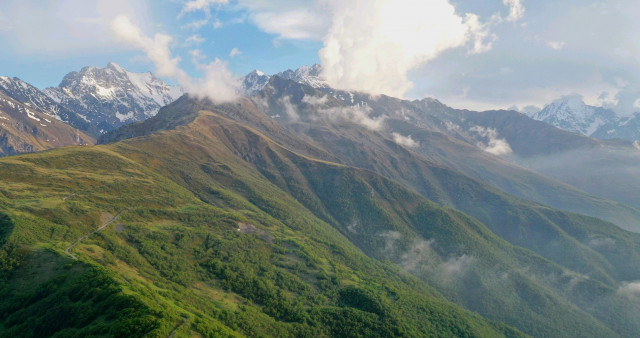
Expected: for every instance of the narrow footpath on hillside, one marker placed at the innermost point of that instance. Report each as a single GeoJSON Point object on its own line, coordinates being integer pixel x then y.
{"type": "Point", "coordinates": [89, 234]}
{"type": "Point", "coordinates": [184, 321]}
{"type": "Point", "coordinates": [86, 192]}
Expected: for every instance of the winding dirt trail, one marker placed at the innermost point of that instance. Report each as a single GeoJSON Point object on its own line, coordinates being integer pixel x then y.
{"type": "Point", "coordinates": [184, 321]}
{"type": "Point", "coordinates": [89, 234]}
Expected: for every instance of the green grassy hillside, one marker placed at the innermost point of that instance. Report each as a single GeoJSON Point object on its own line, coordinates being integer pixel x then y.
{"type": "Point", "coordinates": [328, 190]}
{"type": "Point", "coordinates": [174, 262]}
{"type": "Point", "coordinates": [222, 231]}
{"type": "Point", "coordinates": [567, 239]}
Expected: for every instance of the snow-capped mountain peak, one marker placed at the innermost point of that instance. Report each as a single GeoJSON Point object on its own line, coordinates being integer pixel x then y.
{"type": "Point", "coordinates": [308, 75]}
{"type": "Point", "coordinates": [572, 114]}
{"type": "Point", "coordinates": [115, 67]}
{"type": "Point", "coordinates": [254, 82]}
{"type": "Point", "coordinates": [113, 96]}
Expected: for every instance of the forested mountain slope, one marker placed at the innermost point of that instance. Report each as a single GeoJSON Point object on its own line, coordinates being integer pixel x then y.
{"type": "Point", "coordinates": [221, 229]}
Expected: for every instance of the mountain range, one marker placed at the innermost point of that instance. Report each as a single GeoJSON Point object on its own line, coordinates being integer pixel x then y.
{"type": "Point", "coordinates": [508, 142]}
{"type": "Point", "coordinates": [97, 100]}
{"type": "Point", "coordinates": [302, 210]}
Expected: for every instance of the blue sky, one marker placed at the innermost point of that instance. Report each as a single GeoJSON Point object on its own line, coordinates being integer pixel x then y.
{"type": "Point", "coordinates": [227, 28]}
{"type": "Point", "coordinates": [476, 54]}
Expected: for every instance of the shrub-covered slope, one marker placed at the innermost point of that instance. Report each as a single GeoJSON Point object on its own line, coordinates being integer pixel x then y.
{"type": "Point", "coordinates": [191, 256]}
{"type": "Point", "coordinates": [220, 230]}
{"type": "Point", "coordinates": [320, 186]}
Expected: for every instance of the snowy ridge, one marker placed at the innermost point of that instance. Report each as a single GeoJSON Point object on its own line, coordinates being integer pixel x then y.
{"type": "Point", "coordinates": [310, 76]}
{"type": "Point", "coordinates": [626, 128]}
{"type": "Point", "coordinates": [29, 96]}
{"type": "Point", "coordinates": [572, 114]}
{"type": "Point", "coordinates": [94, 99]}
{"type": "Point", "coordinates": [307, 75]}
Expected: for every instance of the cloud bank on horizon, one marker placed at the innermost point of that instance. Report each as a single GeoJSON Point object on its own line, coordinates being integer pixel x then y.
{"type": "Point", "coordinates": [482, 54]}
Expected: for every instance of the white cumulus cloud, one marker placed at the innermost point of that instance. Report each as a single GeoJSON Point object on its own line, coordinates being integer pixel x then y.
{"type": "Point", "coordinates": [289, 19]}
{"type": "Point", "coordinates": [200, 5]}
{"type": "Point", "coordinates": [359, 115]}
{"type": "Point", "coordinates": [492, 144]}
{"type": "Point", "coordinates": [290, 111]}
{"type": "Point", "coordinates": [406, 141]}
{"type": "Point", "coordinates": [557, 45]}
{"type": "Point", "coordinates": [516, 9]}
{"type": "Point", "coordinates": [631, 289]}
{"type": "Point", "coordinates": [217, 83]}
{"type": "Point", "coordinates": [64, 27]}
{"type": "Point", "coordinates": [196, 54]}
{"type": "Point", "coordinates": [235, 52]}
{"type": "Point", "coordinates": [195, 39]}
{"type": "Point", "coordinates": [156, 48]}
{"type": "Point", "coordinates": [297, 24]}
{"type": "Point", "coordinates": [372, 45]}
{"type": "Point", "coordinates": [315, 100]}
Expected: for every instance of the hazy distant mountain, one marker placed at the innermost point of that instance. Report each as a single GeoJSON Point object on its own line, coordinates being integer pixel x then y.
{"type": "Point", "coordinates": [626, 128]}
{"type": "Point", "coordinates": [112, 96]}
{"type": "Point", "coordinates": [572, 114]}
{"type": "Point", "coordinates": [25, 128]}
{"type": "Point", "coordinates": [470, 142]}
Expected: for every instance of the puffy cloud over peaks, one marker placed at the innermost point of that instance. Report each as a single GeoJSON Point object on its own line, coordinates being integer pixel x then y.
{"type": "Point", "coordinates": [516, 9]}
{"type": "Point", "coordinates": [217, 82]}
{"type": "Point", "coordinates": [372, 45]}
